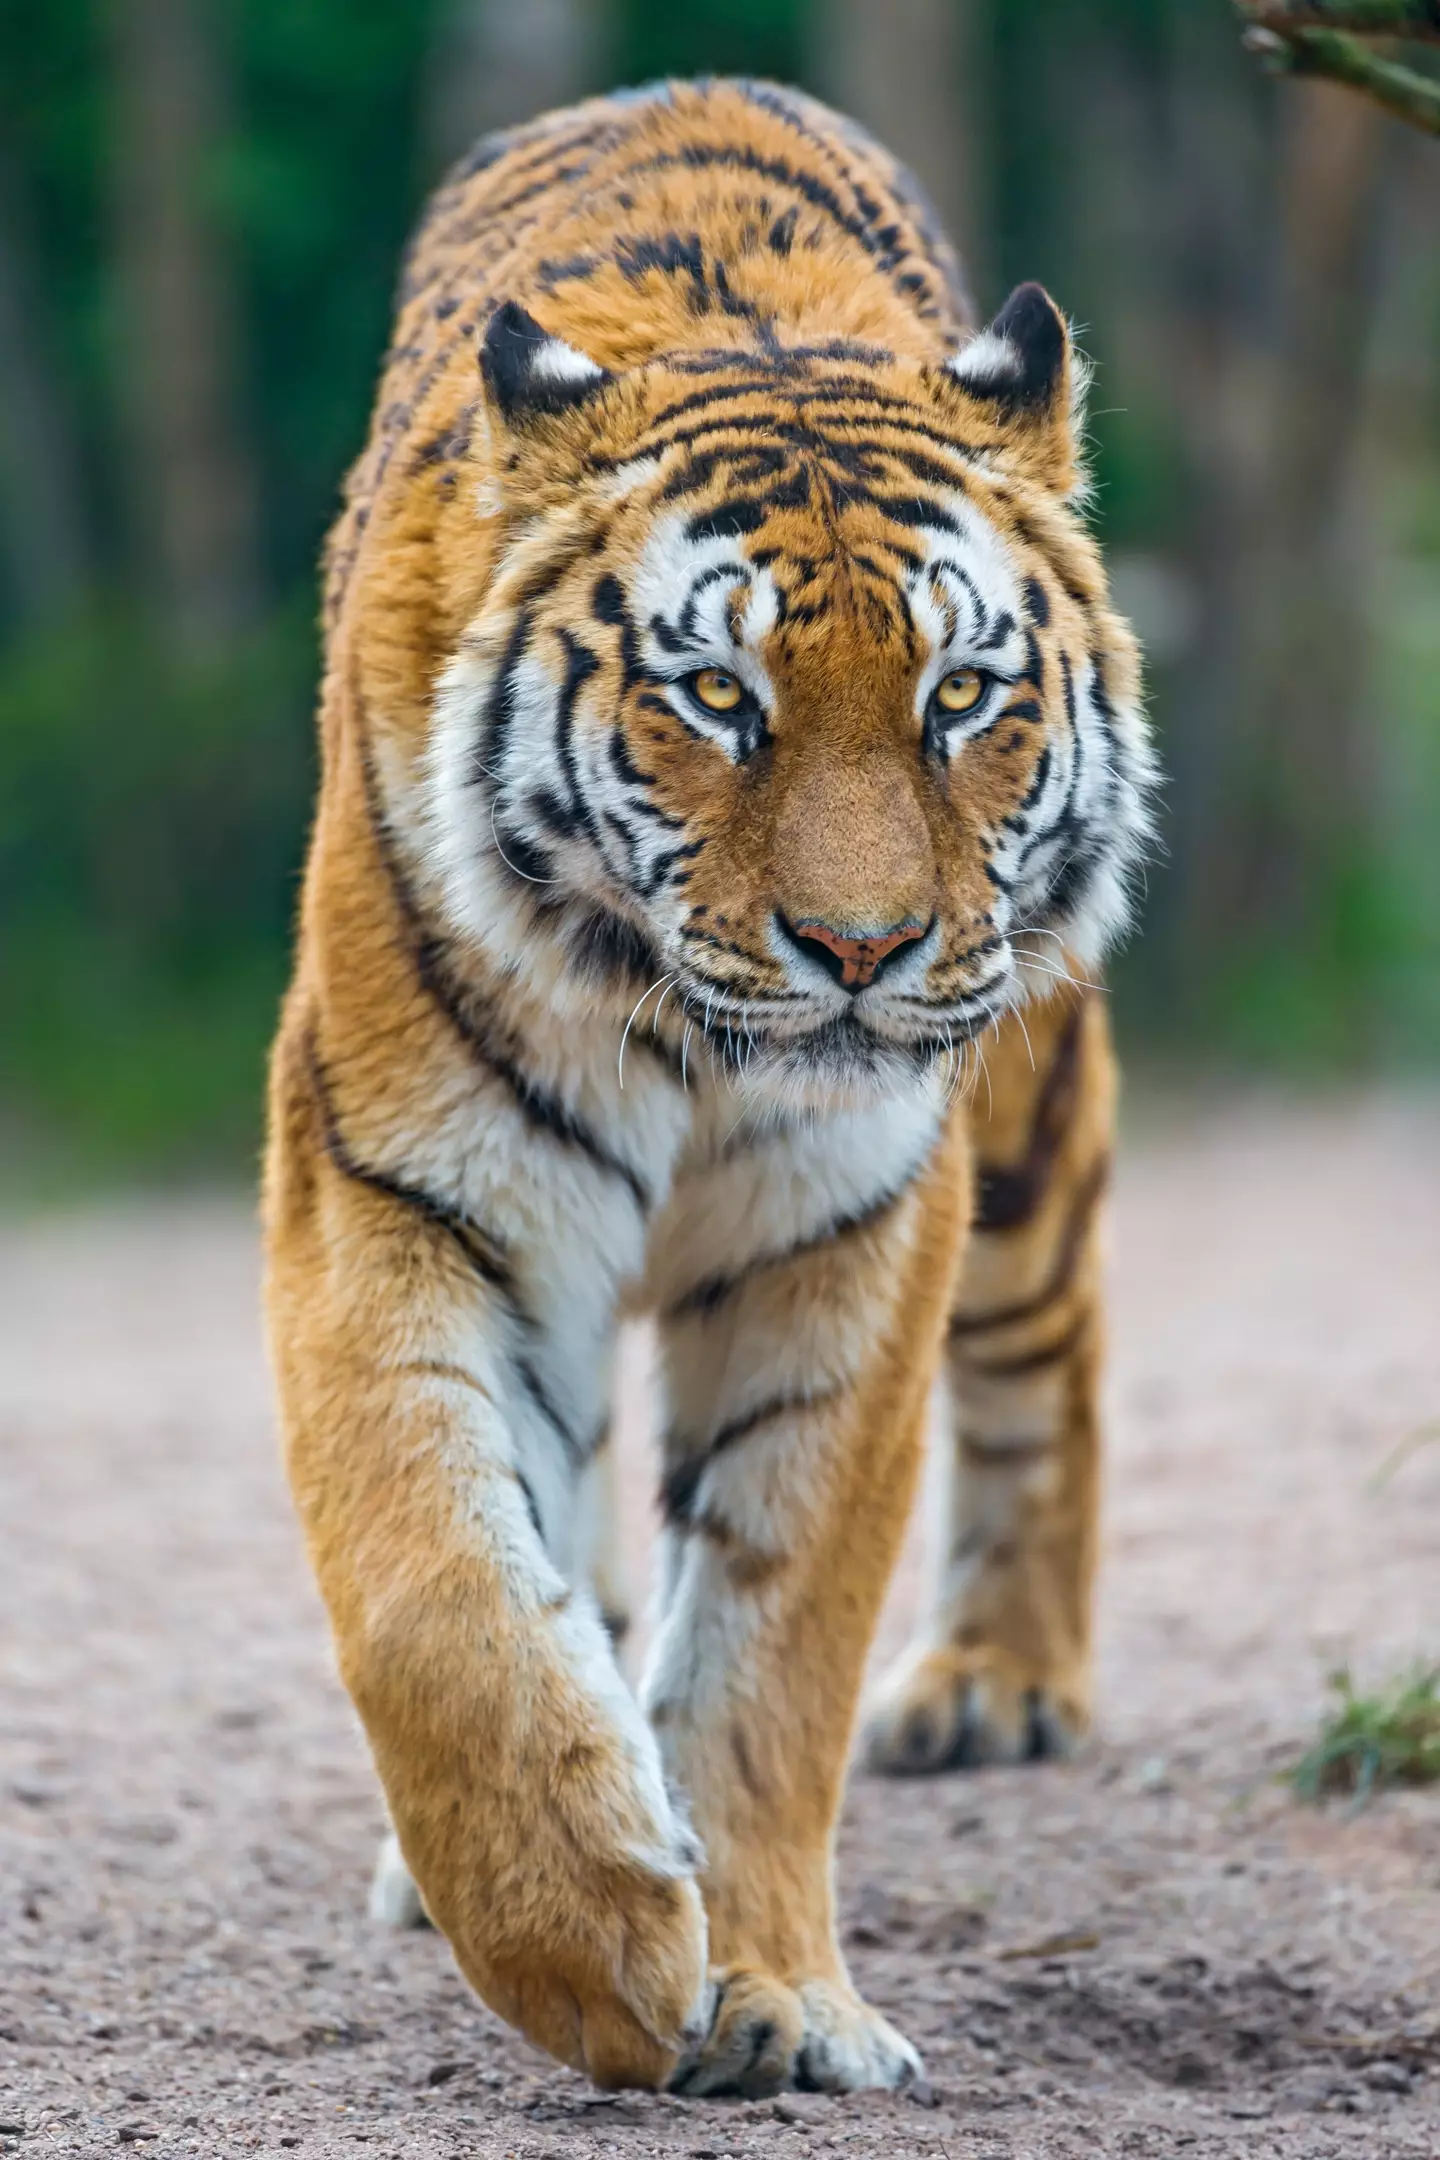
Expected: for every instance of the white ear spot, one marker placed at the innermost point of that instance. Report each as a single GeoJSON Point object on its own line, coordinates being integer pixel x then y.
{"type": "Point", "coordinates": [1019, 360]}
{"type": "Point", "coordinates": [557, 362]}
{"type": "Point", "coordinates": [531, 374]}
{"type": "Point", "coordinates": [987, 363]}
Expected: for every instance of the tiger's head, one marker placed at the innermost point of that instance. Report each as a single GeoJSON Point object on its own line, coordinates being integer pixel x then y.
{"type": "Point", "coordinates": [795, 688]}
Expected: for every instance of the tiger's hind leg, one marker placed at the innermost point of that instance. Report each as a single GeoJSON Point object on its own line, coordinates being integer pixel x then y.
{"type": "Point", "coordinates": [1000, 1670]}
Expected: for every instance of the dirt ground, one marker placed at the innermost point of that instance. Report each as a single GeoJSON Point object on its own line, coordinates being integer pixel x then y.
{"type": "Point", "coordinates": [1152, 1951]}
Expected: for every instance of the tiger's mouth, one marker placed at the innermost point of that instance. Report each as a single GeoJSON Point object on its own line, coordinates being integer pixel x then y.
{"type": "Point", "coordinates": [841, 1053]}
{"type": "Point", "coordinates": [850, 1036]}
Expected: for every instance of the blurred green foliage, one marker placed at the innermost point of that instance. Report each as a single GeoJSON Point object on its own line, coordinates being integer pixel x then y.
{"type": "Point", "coordinates": [1372, 1741]}
{"type": "Point", "coordinates": [151, 819]}
{"type": "Point", "coordinates": [153, 803]}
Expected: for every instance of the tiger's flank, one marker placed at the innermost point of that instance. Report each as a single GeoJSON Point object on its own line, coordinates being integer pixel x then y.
{"type": "Point", "coordinates": [733, 775]}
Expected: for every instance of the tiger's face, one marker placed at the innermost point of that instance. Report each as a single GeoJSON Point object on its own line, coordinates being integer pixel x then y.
{"type": "Point", "coordinates": [797, 689]}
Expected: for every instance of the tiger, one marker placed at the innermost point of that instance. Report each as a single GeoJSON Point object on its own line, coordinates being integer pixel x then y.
{"type": "Point", "coordinates": [733, 772]}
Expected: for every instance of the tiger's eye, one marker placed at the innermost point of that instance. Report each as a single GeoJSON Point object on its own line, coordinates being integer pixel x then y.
{"type": "Point", "coordinates": [717, 690]}
{"type": "Point", "coordinates": [958, 692]}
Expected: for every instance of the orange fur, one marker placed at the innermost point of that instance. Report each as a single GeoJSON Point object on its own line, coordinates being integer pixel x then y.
{"type": "Point", "coordinates": [490, 1132]}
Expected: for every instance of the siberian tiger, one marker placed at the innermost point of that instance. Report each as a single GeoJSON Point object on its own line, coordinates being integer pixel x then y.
{"type": "Point", "coordinates": [725, 733]}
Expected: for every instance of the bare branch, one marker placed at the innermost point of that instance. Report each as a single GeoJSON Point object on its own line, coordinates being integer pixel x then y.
{"type": "Point", "coordinates": [1414, 19]}
{"type": "Point", "coordinates": [1323, 56]}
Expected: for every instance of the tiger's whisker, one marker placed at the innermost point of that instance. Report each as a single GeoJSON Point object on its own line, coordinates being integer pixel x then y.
{"type": "Point", "coordinates": [494, 806]}
{"type": "Point", "coordinates": [620, 1061]}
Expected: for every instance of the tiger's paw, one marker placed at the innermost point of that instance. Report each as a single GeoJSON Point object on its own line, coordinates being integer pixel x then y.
{"type": "Point", "coordinates": [948, 1709]}
{"type": "Point", "coordinates": [765, 2036]}
{"type": "Point", "coordinates": [395, 1900]}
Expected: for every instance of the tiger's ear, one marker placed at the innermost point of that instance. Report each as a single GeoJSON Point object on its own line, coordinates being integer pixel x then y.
{"type": "Point", "coordinates": [531, 375]}
{"type": "Point", "coordinates": [1023, 371]}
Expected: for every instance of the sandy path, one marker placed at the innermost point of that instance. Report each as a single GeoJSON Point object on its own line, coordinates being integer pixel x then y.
{"type": "Point", "coordinates": [187, 1817]}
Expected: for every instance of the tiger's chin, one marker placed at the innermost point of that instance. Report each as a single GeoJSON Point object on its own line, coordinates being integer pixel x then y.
{"type": "Point", "coordinates": [841, 1061]}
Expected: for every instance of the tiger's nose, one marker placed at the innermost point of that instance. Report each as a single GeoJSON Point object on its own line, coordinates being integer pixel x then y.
{"type": "Point", "coordinates": [853, 961]}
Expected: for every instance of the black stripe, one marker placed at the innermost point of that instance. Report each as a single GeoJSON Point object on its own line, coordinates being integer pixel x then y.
{"type": "Point", "coordinates": [728, 520]}
{"type": "Point", "coordinates": [882, 247]}
{"type": "Point", "coordinates": [781, 236]}
{"type": "Point", "coordinates": [917, 463]}
{"type": "Point", "coordinates": [1007, 1195]}
{"type": "Point", "coordinates": [632, 874]}
{"type": "Point", "coordinates": [1017, 1365]}
{"type": "Point", "coordinates": [998, 630]}
{"type": "Point", "coordinates": [649, 883]}
{"type": "Point", "coordinates": [580, 664]}
{"type": "Point", "coordinates": [530, 150]}
{"type": "Point", "coordinates": [1062, 1268]}
{"type": "Point", "coordinates": [748, 463]}
{"type": "Point", "coordinates": [500, 705]}
{"type": "Point", "coordinates": [903, 198]}
{"type": "Point", "coordinates": [613, 954]}
{"type": "Point", "coordinates": [1004, 1454]}
{"type": "Point", "coordinates": [544, 1402]}
{"type": "Point", "coordinates": [497, 212]}
{"type": "Point", "coordinates": [576, 267]}
{"type": "Point", "coordinates": [608, 599]}
{"type": "Point", "coordinates": [914, 510]}
{"type": "Point", "coordinates": [701, 583]}
{"type": "Point", "coordinates": [898, 415]}
{"type": "Point", "coordinates": [708, 1295]}
{"type": "Point", "coordinates": [485, 1250]}
{"type": "Point", "coordinates": [634, 776]}
{"type": "Point", "coordinates": [542, 1110]}
{"type": "Point", "coordinates": [526, 861]}
{"type": "Point", "coordinates": [680, 1484]}
{"type": "Point", "coordinates": [532, 1506]}
{"type": "Point", "coordinates": [559, 821]}
{"type": "Point", "coordinates": [1083, 849]}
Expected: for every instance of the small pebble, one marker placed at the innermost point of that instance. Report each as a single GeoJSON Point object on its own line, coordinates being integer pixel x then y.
{"type": "Point", "coordinates": [803, 2110]}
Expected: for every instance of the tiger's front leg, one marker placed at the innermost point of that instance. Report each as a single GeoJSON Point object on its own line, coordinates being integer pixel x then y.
{"type": "Point", "coordinates": [433, 1443]}
{"type": "Point", "coordinates": [798, 1361]}
{"type": "Point", "coordinates": [1000, 1670]}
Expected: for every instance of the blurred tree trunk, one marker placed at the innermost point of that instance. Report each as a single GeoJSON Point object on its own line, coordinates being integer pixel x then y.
{"type": "Point", "coordinates": [906, 70]}
{"type": "Point", "coordinates": [1215, 245]}
{"type": "Point", "coordinates": [1269, 297]}
{"type": "Point", "coordinates": [500, 62]}
{"type": "Point", "coordinates": [42, 509]}
{"type": "Point", "coordinates": [191, 485]}
{"type": "Point", "coordinates": [1310, 797]}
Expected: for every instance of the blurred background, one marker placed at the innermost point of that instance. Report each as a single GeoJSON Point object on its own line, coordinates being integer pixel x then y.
{"type": "Point", "coordinates": [202, 204]}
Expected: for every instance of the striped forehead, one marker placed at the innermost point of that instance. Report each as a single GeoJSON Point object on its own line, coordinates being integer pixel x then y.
{"type": "Point", "coordinates": [697, 596]}
{"type": "Point", "coordinates": [966, 592]}
{"type": "Point", "coordinates": [709, 587]}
